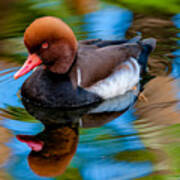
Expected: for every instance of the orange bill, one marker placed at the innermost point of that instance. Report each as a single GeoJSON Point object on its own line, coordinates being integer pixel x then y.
{"type": "Point", "coordinates": [32, 62]}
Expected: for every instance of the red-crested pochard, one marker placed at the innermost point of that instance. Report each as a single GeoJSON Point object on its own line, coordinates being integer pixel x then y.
{"type": "Point", "coordinates": [74, 74]}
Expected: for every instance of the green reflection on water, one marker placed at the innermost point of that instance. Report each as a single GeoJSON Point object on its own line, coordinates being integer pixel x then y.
{"type": "Point", "coordinates": [17, 113]}
{"type": "Point", "coordinates": [150, 6]}
{"type": "Point", "coordinates": [70, 173]}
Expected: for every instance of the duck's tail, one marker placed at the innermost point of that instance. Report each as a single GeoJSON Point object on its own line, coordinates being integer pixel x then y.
{"type": "Point", "coordinates": [148, 45]}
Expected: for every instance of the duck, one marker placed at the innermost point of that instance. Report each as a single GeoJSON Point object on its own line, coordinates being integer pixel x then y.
{"type": "Point", "coordinates": [70, 73]}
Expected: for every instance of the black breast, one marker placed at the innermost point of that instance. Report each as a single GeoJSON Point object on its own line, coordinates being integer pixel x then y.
{"type": "Point", "coordinates": [46, 89]}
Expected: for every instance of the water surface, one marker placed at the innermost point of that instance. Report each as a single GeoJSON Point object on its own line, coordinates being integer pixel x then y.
{"type": "Point", "coordinates": [124, 139]}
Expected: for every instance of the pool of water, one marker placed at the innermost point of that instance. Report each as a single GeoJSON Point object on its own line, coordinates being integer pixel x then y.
{"type": "Point", "coordinates": [121, 139]}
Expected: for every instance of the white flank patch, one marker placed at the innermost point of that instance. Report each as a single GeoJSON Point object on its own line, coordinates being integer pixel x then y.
{"type": "Point", "coordinates": [78, 77]}
{"type": "Point", "coordinates": [119, 82]}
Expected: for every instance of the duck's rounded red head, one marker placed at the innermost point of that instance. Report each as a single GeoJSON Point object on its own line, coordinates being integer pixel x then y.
{"type": "Point", "coordinates": [50, 42]}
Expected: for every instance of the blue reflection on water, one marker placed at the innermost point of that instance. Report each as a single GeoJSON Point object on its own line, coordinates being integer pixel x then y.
{"type": "Point", "coordinates": [108, 170]}
{"type": "Point", "coordinates": [20, 127]}
{"type": "Point", "coordinates": [110, 23]}
{"type": "Point", "coordinates": [8, 94]}
{"type": "Point", "coordinates": [176, 61]}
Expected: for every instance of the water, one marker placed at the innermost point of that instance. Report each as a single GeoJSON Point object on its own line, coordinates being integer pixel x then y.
{"type": "Point", "coordinates": [108, 142]}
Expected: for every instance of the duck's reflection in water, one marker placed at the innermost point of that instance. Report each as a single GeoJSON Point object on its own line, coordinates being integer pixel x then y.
{"type": "Point", "coordinates": [53, 149]}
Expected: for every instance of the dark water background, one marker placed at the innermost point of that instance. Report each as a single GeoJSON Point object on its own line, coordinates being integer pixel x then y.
{"type": "Point", "coordinates": [142, 143]}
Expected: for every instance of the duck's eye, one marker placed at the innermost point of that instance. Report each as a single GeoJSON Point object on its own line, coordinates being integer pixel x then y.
{"type": "Point", "coordinates": [45, 45]}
